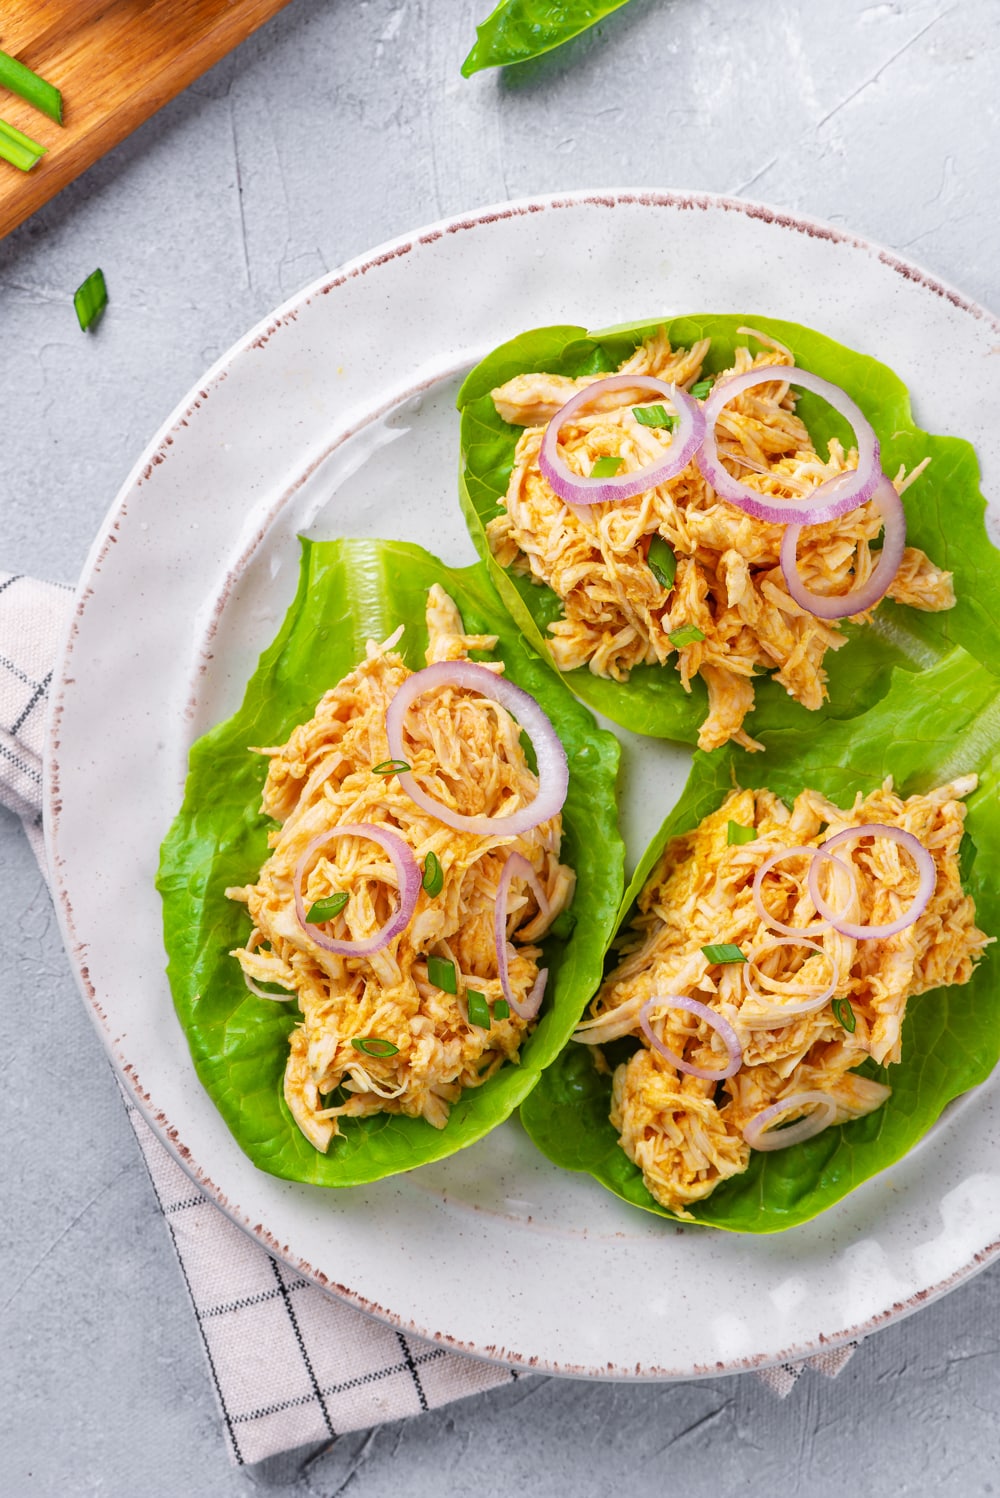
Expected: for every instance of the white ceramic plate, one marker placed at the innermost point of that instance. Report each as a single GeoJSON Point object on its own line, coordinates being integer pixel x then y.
{"type": "Point", "coordinates": [336, 417]}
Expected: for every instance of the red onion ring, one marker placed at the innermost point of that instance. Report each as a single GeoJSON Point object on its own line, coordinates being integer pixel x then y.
{"type": "Point", "coordinates": [866, 595]}
{"type": "Point", "coordinates": [758, 900]}
{"type": "Point", "coordinates": [925, 888]}
{"type": "Point", "coordinates": [834, 496]}
{"type": "Point", "coordinates": [760, 1136]}
{"type": "Point", "coordinates": [517, 866]}
{"type": "Point", "coordinates": [533, 1002]}
{"type": "Point", "coordinates": [807, 1006]}
{"type": "Point", "coordinates": [407, 872]}
{"type": "Point", "coordinates": [553, 772]}
{"type": "Point", "coordinates": [693, 1006]}
{"type": "Point", "coordinates": [685, 442]}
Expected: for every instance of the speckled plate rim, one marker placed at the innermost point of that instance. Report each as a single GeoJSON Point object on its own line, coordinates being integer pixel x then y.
{"type": "Point", "coordinates": [65, 774]}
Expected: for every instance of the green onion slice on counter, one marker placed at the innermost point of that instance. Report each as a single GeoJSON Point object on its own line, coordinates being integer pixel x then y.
{"type": "Point", "coordinates": [30, 87]}
{"type": "Point", "coordinates": [90, 299]}
{"type": "Point", "coordinates": [17, 148]}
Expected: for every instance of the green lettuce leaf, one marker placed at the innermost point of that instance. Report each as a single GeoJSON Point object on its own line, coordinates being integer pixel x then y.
{"type": "Point", "coordinates": [926, 730]}
{"type": "Point", "coordinates": [944, 509]}
{"type": "Point", "coordinates": [350, 592]}
{"type": "Point", "coordinates": [519, 29]}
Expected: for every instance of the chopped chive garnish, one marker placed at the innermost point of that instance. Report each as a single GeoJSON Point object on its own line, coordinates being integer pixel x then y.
{"type": "Point", "coordinates": [688, 634]}
{"type": "Point", "coordinates": [433, 880]}
{"type": "Point", "coordinates": [28, 86]}
{"type": "Point", "coordinates": [17, 148]}
{"type": "Point", "coordinates": [325, 910]}
{"type": "Point", "coordinates": [736, 834]}
{"type": "Point", "coordinates": [604, 468]}
{"type": "Point", "coordinates": [479, 1010]}
{"type": "Point", "coordinates": [501, 1009]}
{"type": "Point", "coordinates": [844, 1014]}
{"type": "Point", "coordinates": [662, 562]}
{"type": "Point", "coordinates": [723, 951]}
{"type": "Point", "coordinates": [702, 389]}
{"type": "Point", "coordinates": [654, 416]}
{"type": "Point", "coordinates": [374, 1045]}
{"type": "Point", "coordinates": [442, 974]}
{"type": "Point", "coordinates": [90, 299]}
{"type": "Point", "coordinates": [391, 767]}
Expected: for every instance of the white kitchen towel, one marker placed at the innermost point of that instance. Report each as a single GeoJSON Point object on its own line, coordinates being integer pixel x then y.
{"type": "Point", "coordinates": [290, 1364]}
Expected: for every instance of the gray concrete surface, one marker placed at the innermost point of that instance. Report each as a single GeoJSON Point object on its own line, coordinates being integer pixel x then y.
{"type": "Point", "coordinates": [342, 123]}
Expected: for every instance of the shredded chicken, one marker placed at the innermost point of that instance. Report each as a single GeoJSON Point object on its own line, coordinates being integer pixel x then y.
{"type": "Point", "coordinates": [685, 1133]}
{"type": "Point", "coordinates": [729, 585]}
{"type": "Point", "coordinates": [465, 750]}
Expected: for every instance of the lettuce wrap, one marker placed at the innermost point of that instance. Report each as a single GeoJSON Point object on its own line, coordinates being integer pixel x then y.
{"type": "Point", "coordinates": [350, 592]}
{"type": "Point", "coordinates": [926, 730]}
{"type": "Point", "coordinates": [944, 509]}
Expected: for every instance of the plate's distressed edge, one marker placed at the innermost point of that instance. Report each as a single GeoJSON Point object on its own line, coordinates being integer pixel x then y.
{"type": "Point", "coordinates": [156, 454]}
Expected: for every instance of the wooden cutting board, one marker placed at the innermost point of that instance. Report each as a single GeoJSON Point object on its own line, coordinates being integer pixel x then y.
{"type": "Point", "coordinates": [116, 62]}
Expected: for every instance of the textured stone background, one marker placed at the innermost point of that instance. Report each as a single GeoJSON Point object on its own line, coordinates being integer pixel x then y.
{"type": "Point", "coordinates": [342, 123]}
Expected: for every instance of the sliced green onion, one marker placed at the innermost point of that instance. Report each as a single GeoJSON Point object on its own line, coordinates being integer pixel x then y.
{"type": "Point", "coordinates": [736, 834]}
{"type": "Point", "coordinates": [391, 767]}
{"type": "Point", "coordinates": [433, 880]}
{"type": "Point", "coordinates": [501, 1009]}
{"type": "Point", "coordinates": [604, 468]}
{"type": "Point", "coordinates": [325, 910]}
{"type": "Point", "coordinates": [17, 148]}
{"type": "Point", "coordinates": [28, 86]}
{"type": "Point", "coordinates": [90, 299]}
{"type": "Point", "coordinates": [688, 634]}
{"type": "Point", "coordinates": [374, 1045]}
{"type": "Point", "coordinates": [702, 389]}
{"type": "Point", "coordinates": [662, 562]}
{"type": "Point", "coordinates": [442, 974]}
{"type": "Point", "coordinates": [479, 1010]}
{"type": "Point", "coordinates": [844, 1014]}
{"type": "Point", "coordinates": [723, 951]}
{"type": "Point", "coordinates": [654, 416]}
